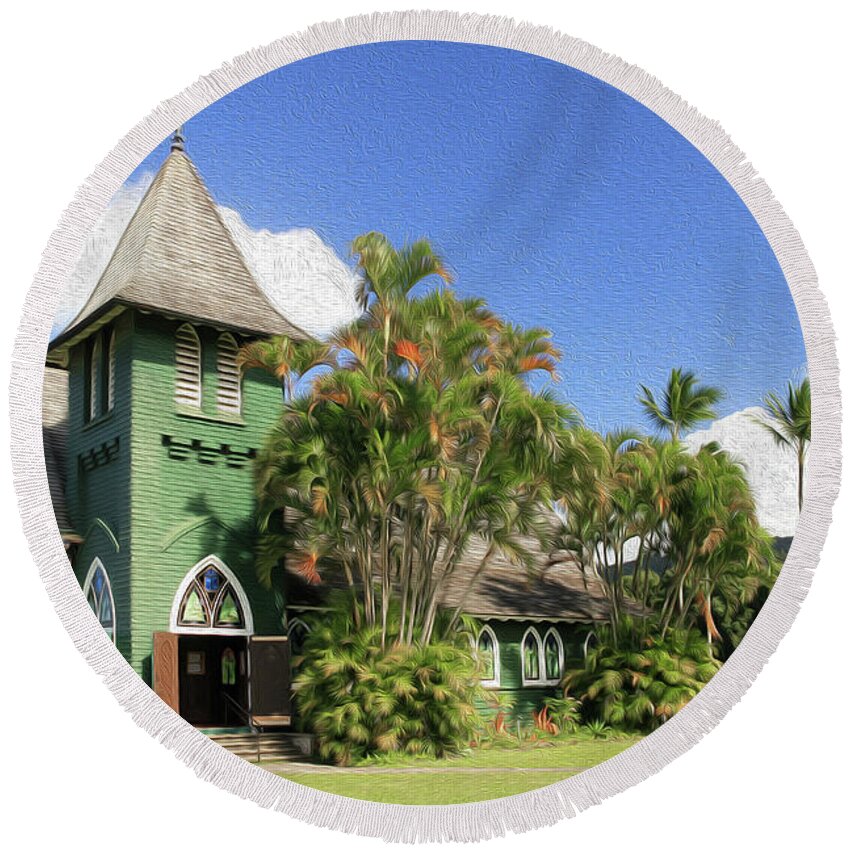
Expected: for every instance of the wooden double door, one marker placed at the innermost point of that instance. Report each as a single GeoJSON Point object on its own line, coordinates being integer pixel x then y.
{"type": "Point", "coordinates": [222, 680]}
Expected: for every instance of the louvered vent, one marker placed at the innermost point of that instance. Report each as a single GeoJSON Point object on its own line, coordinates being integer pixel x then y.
{"type": "Point", "coordinates": [110, 385]}
{"type": "Point", "coordinates": [187, 388]}
{"type": "Point", "coordinates": [229, 382]}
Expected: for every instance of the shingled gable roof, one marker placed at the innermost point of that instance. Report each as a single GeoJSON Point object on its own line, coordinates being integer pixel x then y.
{"type": "Point", "coordinates": [177, 258]}
{"type": "Point", "coordinates": [556, 591]}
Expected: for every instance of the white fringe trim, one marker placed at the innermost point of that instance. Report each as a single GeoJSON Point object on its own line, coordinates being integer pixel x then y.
{"type": "Point", "coordinates": [470, 821]}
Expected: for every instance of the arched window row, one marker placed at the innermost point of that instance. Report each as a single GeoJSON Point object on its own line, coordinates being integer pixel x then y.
{"type": "Point", "coordinates": [542, 659]}
{"type": "Point", "coordinates": [188, 357]}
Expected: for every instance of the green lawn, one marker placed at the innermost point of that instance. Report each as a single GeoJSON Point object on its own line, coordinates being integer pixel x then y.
{"type": "Point", "coordinates": [481, 775]}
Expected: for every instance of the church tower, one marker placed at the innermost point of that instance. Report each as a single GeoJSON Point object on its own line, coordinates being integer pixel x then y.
{"type": "Point", "coordinates": [159, 436]}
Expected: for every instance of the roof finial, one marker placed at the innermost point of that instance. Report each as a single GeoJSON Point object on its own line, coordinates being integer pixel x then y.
{"type": "Point", "coordinates": [178, 140]}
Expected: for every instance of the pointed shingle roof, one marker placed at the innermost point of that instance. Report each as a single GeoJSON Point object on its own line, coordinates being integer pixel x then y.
{"type": "Point", "coordinates": [177, 257]}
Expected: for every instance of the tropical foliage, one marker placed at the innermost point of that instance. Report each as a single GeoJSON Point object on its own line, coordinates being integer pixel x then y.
{"type": "Point", "coordinates": [635, 683]}
{"type": "Point", "coordinates": [362, 700]}
{"type": "Point", "coordinates": [421, 431]}
{"type": "Point", "coordinates": [428, 424]}
{"type": "Point", "coordinates": [666, 532]}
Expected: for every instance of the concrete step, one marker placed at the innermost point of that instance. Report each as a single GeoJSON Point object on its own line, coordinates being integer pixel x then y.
{"type": "Point", "coordinates": [272, 746]}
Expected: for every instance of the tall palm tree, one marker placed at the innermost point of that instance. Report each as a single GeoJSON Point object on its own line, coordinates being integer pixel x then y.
{"type": "Point", "coordinates": [424, 433]}
{"type": "Point", "coordinates": [789, 422]}
{"type": "Point", "coordinates": [684, 404]}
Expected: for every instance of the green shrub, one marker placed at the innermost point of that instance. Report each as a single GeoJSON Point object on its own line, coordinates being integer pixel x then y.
{"type": "Point", "coordinates": [597, 729]}
{"type": "Point", "coordinates": [638, 682]}
{"type": "Point", "coordinates": [361, 700]}
{"type": "Point", "coordinates": [564, 712]}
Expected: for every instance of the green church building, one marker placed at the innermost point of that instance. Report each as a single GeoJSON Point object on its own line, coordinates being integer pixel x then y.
{"type": "Point", "coordinates": [150, 431]}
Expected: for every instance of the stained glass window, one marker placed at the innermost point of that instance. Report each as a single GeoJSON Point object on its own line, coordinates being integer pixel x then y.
{"type": "Point", "coordinates": [193, 609]}
{"type": "Point", "coordinates": [488, 656]}
{"type": "Point", "coordinates": [99, 597]}
{"type": "Point", "coordinates": [210, 601]}
{"type": "Point", "coordinates": [228, 612]}
{"type": "Point", "coordinates": [553, 656]}
{"type": "Point", "coordinates": [531, 656]}
{"type": "Point", "coordinates": [212, 580]}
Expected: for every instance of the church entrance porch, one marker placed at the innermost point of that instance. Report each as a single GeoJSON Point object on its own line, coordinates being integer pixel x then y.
{"type": "Point", "coordinates": [210, 667]}
{"type": "Point", "coordinates": [214, 680]}
{"type": "Point", "coordinates": [221, 681]}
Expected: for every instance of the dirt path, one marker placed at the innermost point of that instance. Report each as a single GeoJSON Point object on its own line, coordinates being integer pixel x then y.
{"type": "Point", "coordinates": [284, 767]}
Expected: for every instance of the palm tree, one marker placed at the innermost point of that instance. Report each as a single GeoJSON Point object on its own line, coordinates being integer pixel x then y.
{"type": "Point", "coordinates": [285, 358]}
{"type": "Point", "coordinates": [684, 404]}
{"type": "Point", "coordinates": [789, 422]}
{"type": "Point", "coordinates": [422, 435]}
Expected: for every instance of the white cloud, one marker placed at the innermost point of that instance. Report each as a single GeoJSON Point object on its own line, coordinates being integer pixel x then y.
{"type": "Point", "coordinates": [303, 277]}
{"type": "Point", "coordinates": [771, 470]}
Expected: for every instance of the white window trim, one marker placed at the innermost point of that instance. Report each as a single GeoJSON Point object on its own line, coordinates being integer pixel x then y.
{"type": "Point", "coordinates": [297, 621]}
{"type": "Point", "coordinates": [497, 667]}
{"type": "Point", "coordinates": [532, 683]}
{"type": "Point", "coordinates": [211, 561]}
{"type": "Point", "coordinates": [553, 631]}
{"type": "Point", "coordinates": [95, 564]}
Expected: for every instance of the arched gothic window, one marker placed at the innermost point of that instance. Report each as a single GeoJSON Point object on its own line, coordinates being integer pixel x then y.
{"type": "Point", "coordinates": [187, 361]}
{"type": "Point", "coordinates": [211, 598]}
{"type": "Point", "coordinates": [532, 652]}
{"type": "Point", "coordinates": [297, 631]}
{"type": "Point", "coordinates": [98, 593]}
{"type": "Point", "coordinates": [487, 649]}
{"type": "Point", "coordinates": [229, 378]}
{"type": "Point", "coordinates": [553, 656]}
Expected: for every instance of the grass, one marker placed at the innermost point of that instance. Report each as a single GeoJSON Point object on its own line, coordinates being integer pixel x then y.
{"type": "Point", "coordinates": [481, 775]}
{"type": "Point", "coordinates": [427, 788]}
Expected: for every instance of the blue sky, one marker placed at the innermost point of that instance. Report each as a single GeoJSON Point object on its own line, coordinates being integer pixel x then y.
{"type": "Point", "coordinates": [560, 200]}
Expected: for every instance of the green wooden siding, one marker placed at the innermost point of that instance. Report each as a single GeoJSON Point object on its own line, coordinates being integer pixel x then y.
{"type": "Point", "coordinates": [98, 478]}
{"type": "Point", "coordinates": [524, 699]}
{"type": "Point", "coordinates": [180, 489]}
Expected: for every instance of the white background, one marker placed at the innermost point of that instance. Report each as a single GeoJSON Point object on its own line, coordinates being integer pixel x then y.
{"type": "Point", "coordinates": [77, 76]}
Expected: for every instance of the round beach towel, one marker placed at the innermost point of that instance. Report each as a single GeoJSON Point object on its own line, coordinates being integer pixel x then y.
{"type": "Point", "coordinates": [419, 412]}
